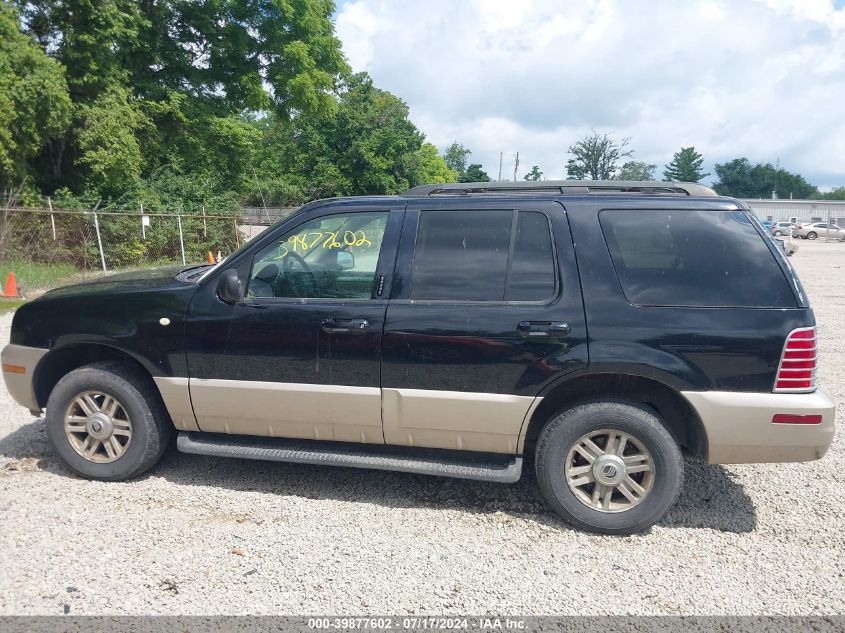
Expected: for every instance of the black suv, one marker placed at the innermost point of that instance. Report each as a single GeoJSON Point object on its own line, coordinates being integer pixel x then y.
{"type": "Point", "coordinates": [602, 327]}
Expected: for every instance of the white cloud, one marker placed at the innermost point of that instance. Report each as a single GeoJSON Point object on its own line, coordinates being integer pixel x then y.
{"type": "Point", "coordinates": [762, 79]}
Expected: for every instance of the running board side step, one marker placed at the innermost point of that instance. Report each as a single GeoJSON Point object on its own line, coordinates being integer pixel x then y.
{"type": "Point", "coordinates": [504, 469]}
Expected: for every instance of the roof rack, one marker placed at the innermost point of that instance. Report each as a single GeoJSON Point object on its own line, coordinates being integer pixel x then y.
{"type": "Point", "coordinates": [565, 187]}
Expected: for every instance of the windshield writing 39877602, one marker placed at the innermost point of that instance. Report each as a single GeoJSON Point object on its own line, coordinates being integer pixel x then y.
{"type": "Point", "coordinates": [302, 242]}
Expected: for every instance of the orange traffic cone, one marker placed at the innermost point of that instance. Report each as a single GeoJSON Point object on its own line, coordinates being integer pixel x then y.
{"type": "Point", "coordinates": [11, 289]}
{"type": "Point", "coordinates": [211, 258]}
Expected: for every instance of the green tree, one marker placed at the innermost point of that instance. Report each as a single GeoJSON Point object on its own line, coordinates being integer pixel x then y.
{"type": "Point", "coordinates": [740, 179]}
{"type": "Point", "coordinates": [255, 54]}
{"type": "Point", "coordinates": [367, 146]}
{"type": "Point", "coordinates": [595, 157]}
{"type": "Point", "coordinates": [34, 104]}
{"type": "Point", "coordinates": [456, 156]}
{"type": "Point", "coordinates": [231, 54]}
{"type": "Point", "coordinates": [109, 152]}
{"type": "Point", "coordinates": [430, 167]}
{"type": "Point", "coordinates": [636, 170]}
{"type": "Point", "coordinates": [534, 175]}
{"type": "Point", "coordinates": [376, 138]}
{"type": "Point", "coordinates": [190, 68]}
{"type": "Point", "coordinates": [94, 40]}
{"type": "Point", "coordinates": [837, 193]}
{"type": "Point", "coordinates": [230, 147]}
{"type": "Point", "coordinates": [734, 179]}
{"type": "Point", "coordinates": [474, 173]}
{"type": "Point", "coordinates": [685, 166]}
{"type": "Point", "coordinates": [299, 160]}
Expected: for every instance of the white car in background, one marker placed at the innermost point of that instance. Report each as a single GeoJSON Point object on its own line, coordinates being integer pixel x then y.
{"type": "Point", "coordinates": [782, 228]}
{"type": "Point", "coordinates": [818, 229]}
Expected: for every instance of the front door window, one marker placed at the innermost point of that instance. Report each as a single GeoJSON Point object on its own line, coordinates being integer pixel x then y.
{"type": "Point", "coordinates": [332, 257]}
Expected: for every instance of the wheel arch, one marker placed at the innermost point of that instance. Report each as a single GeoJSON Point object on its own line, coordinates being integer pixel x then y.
{"type": "Point", "coordinates": [679, 417]}
{"type": "Point", "coordinates": [60, 361]}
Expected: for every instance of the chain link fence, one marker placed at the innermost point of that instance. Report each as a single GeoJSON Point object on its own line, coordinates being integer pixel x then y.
{"type": "Point", "coordinates": [49, 247]}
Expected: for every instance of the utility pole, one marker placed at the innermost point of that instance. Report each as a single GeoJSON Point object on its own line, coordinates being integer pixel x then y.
{"type": "Point", "coordinates": [515, 165]}
{"type": "Point", "coordinates": [500, 165]}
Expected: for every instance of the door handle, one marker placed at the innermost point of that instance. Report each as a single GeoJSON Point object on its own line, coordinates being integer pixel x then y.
{"type": "Point", "coordinates": [552, 329]}
{"type": "Point", "coordinates": [333, 326]}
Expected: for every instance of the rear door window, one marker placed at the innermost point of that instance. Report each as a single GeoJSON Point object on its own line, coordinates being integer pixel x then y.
{"type": "Point", "coordinates": [693, 258]}
{"type": "Point", "coordinates": [483, 255]}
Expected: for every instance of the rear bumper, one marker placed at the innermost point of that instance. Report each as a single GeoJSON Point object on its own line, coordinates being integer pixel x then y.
{"type": "Point", "coordinates": [740, 430]}
{"type": "Point", "coordinates": [19, 364]}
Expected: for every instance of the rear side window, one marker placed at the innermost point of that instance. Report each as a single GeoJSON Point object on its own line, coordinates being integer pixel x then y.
{"type": "Point", "coordinates": [532, 276]}
{"type": "Point", "coordinates": [693, 258]}
{"type": "Point", "coordinates": [495, 255]}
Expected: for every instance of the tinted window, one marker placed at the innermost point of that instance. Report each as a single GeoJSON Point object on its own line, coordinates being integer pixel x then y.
{"type": "Point", "coordinates": [461, 255]}
{"type": "Point", "coordinates": [532, 265]}
{"type": "Point", "coordinates": [464, 256]}
{"type": "Point", "coordinates": [332, 257]}
{"type": "Point", "coordinates": [693, 258]}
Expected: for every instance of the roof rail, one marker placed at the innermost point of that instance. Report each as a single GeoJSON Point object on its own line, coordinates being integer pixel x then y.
{"type": "Point", "coordinates": [565, 187]}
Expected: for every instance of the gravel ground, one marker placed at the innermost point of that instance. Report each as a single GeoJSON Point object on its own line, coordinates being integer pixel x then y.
{"type": "Point", "coordinates": [213, 536]}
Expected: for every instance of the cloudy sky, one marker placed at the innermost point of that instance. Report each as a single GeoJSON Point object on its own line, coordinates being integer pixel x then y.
{"type": "Point", "coordinates": [761, 79]}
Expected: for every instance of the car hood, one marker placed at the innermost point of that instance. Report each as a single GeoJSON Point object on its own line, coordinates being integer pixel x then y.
{"type": "Point", "coordinates": [147, 279]}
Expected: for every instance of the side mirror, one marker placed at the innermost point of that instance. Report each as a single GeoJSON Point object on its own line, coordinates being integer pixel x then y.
{"type": "Point", "coordinates": [229, 288]}
{"type": "Point", "coordinates": [345, 260]}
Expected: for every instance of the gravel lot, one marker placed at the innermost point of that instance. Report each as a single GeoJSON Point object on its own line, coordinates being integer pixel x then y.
{"type": "Point", "coordinates": [211, 536]}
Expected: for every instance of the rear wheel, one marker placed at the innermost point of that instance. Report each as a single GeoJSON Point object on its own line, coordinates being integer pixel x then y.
{"type": "Point", "coordinates": [778, 233]}
{"type": "Point", "coordinates": [812, 235]}
{"type": "Point", "coordinates": [609, 467]}
{"type": "Point", "coordinates": [106, 421]}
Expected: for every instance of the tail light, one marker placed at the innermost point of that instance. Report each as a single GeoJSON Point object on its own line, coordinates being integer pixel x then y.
{"type": "Point", "coordinates": [797, 369]}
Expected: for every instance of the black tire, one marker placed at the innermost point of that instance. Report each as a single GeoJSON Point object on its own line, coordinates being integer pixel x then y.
{"type": "Point", "coordinates": [150, 423]}
{"type": "Point", "coordinates": [812, 235]}
{"type": "Point", "coordinates": [563, 431]}
{"type": "Point", "coordinates": [778, 233]}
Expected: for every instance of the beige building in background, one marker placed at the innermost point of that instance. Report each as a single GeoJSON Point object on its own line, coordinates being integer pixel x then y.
{"type": "Point", "coordinates": [799, 210]}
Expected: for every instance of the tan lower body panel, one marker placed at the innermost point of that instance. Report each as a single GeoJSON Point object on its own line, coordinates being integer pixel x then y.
{"type": "Point", "coordinates": [486, 422]}
{"type": "Point", "coordinates": [19, 363]}
{"type": "Point", "coordinates": [319, 412]}
{"type": "Point", "coordinates": [177, 400]}
{"type": "Point", "coordinates": [739, 426]}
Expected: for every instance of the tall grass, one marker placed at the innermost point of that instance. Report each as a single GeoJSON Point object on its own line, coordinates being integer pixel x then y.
{"type": "Point", "coordinates": [34, 276]}
{"type": "Point", "coordinates": [7, 305]}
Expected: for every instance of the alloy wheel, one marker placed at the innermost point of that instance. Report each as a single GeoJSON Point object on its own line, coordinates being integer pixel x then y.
{"type": "Point", "coordinates": [98, 427]}
{"type": "Point", "coordinates": [609, 470]}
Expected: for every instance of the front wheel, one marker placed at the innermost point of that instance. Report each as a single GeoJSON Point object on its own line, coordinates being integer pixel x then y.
{"type": "Point", "coordinates": [778, 233]}
{"type": "Point", "coordinates": [106, 421]}
{"type": "Point", "coordinates": [609, 467]}
{"type": "Point", "coordinates": [812, 235]}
